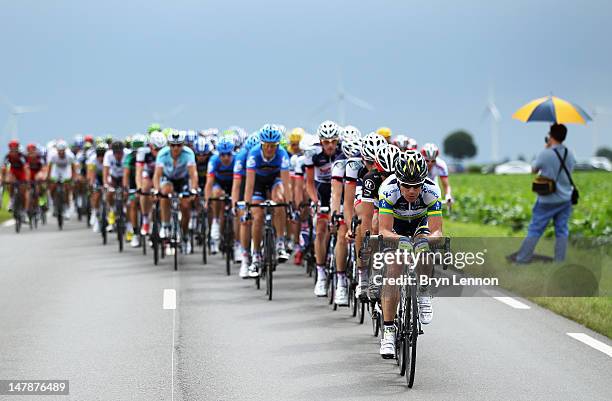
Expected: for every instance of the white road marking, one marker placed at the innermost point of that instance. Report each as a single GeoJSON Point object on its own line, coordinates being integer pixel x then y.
{"type": "Point", "coordinates": [9, 223]}
{"type": "Point", "coordinates": [169, 299]}
{"type": "Point", "coordinates": [591, 342]}
{"type": "Point", "coordinates": [512, 302]}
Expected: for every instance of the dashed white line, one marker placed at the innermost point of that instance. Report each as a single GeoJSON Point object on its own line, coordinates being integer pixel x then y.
{"type": "Point", "coordinates": [591, 342]}
{"type": "Point", "coordinates": [512, 302]}
{"type": "Point", "coordinates": [169, 299]}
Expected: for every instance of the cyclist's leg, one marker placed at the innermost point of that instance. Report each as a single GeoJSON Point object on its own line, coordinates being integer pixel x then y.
{"type": "Point", "coordinates": [166, 188]}
{"type": "Point", "coordinates": [280, 219]}
{"type": "Point", "coordinates": [145, 203]}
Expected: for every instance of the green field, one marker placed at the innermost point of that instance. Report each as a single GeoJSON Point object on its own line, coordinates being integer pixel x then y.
{"type": "Point", "coordinates": [500, 206]}
{"type": "Point", "coordinates": [4, 214]}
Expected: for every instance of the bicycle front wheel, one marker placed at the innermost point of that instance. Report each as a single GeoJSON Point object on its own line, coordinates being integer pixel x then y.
{"type": "Point", "coordinates": [270, 260]}
{"type": "Point", "coordinates": [411, 338]}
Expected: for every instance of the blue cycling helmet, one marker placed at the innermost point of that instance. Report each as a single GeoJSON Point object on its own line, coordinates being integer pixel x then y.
{"type": "Point", "coordinates": [78, 141]}
{"type": "Point", "coordinates": [270, 133]}
{"type": "Point", "coordinates": [252, 141]}
{"type": "Point", "coordinates": [202, 146]}
{"type": "Point", "coordinates": [225, 145]}
{"type": "Point", "coordinates": [190, 138]}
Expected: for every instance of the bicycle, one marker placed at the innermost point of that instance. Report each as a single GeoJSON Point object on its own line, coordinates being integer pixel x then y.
{"type": "Point", "coordinates": [203, 234]}
{"type": "Point", "coordinates": [18, 205]}
{"type": "Point", "coordinates": [269, 251]}
{"type": "Point", "coordinates": [331, 269]}
{"type": "Point", "coordinates": [59, 201]}
{"type": "Point", "coordinates": [119, 215]}
{"type": "Point", "coordinates": [175, 236]}
{"type": "Point", "coordinates": [355, 303]}
{"type": "Point", "coordinates": [309, 252]}
{"type": "Point", "coordinates": [227, 240]}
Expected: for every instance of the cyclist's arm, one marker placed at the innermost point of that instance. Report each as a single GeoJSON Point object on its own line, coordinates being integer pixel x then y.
{"type": "Point", "coordinates": [73, 170]}
{"type": "Point", "coordinates": [49, 171]}
{"type": "Point", "coordinates": [139, 168]}
{"type": "Point", "coordinates": [157, 177]}
{"type": "Point", "coordinates": [367, 215]}
{"type": "Point", "coordinates": [193, 175]}
{"type": "Point", "coordinates": [434, 223]}
{"type": "Point", "coordinates": [336, 195]}
{"type": "Point", "coordinates": [286, 188]}
{"type": "Point", "coordinates": [105, 174]}
{"type": "Point", "coordinates": [385, 225]}
{"type": "Point", "coordinates": [446, 186]}
{"type": "Point", "coordinates": [91, 174]}
{"type": "Point", "coordinates": [210, 181]}
{"type": "Point", "coordinates": [250, 185]}
{"type": "Point", "coordinates": [297, 188]}
{"type": "Point", "coordinates": [349, 202]}
{"type": "Point", "coordinates": [125, 180]}
{"type": "Point", "coordinates": [310, 184]}
{"type": "Point", "coordinates": [236, 183]}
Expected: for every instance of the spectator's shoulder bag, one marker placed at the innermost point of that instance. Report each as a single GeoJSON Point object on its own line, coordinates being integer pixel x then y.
{"type": "Point", "coordinates": [543, 185]}
{"type": "Point", "coordinates": [575, 193]}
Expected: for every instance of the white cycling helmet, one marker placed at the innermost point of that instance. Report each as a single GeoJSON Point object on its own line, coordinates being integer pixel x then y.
{"type": "Point", "coordinates": [308, 141]}
{"type": "Point", "coordinates": [430, 151]}
{"type": "Point", "coordinates": [412, 144]}
{"type": "Point", "coordinates": [176, 137]}
{"type": "Point", "coordinates": [351, 147]}
{"type": "Point", "coordinates": [350, 131]}
{"type": "Point", "coordinates": [61, 145]}
{"type": "Point", "coordinates": [370, 145]}
{"type": "Point", "coordinates": [158, 139]}
{"type": "Point", "coordinates": [386, 157]}
{"type": "Point", "coordinates": [401, 141]}
{"type": "Point", "coordinates": [329, 130]}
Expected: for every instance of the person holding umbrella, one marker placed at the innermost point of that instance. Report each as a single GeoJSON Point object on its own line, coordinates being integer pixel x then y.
{"type": "Point", "coordinates": [554, 185]}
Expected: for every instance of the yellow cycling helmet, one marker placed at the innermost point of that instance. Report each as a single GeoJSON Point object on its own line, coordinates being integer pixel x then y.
{"type": "Point", "coordinates": [384, 131]}
{"type": "Point", "coordinates": [296, 135]}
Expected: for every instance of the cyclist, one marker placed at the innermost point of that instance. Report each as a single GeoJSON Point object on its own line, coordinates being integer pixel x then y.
{"type": "Point", "coordinates": [267, 177]}
{"type": "Point", "coordinates": [218, 184]}
{"type": "Point", "coordinates": [401, 141]}
{"type": "Point", "coordinates": [190, 138]}
{"type": "Point", "coordinates": [318, 163]}
{"type": "Point", "coordinates": [113, 176]}
{"type": "Point", "coordinates": [437, 168]}
{"type": "Point", "coordinates": [38, 172]}
{"type": "Point", "coordinates": [129, 184]}
{"type": "Point", "coordinates": [409, 206]}
{"type": "Point", "coordinates": [412, 144]}
{"type": "Point", "coordinates": [300, 195]}
{"type": "Point", "coordinates": [297, 186]}
{"type": "Point", "coordinates": [238, 187]}
{"type": "Point", "coordinates": [81, 155]}
{"type": "Point", "coordinates": [95, 174]}
{"type": "Point", "coordinates": [385, 132]}
{"type": "Point", "coordinates": [175, 171]}
{"type": "Point", "coordinates": [145, 168]}
{"type": "Point", "coordinates": [17, 173]}
{"type": "Point", "coordinates": [62, 168]}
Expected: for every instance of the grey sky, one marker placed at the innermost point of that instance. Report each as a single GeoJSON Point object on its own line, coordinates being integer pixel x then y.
{"type": "Point", "coordinates": [104, 67]}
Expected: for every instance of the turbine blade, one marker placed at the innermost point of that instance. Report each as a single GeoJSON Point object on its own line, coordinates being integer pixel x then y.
{"type": "Point", "coordinates": [358, 102]}
{"type": "Point", "coordinates": [27, 109]}
{"type": "Point", "coordinates": [323, 107]}
{"type": "Point", "coordinates": [494, 111]}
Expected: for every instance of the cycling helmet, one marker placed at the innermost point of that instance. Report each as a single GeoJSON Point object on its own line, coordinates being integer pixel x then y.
{"type": "Point", "coordinates": [370, 144]}
{"type": "Point", "coordinates": [296, 135]}
{"type": "Point", "coordinates": [117, 146]}
{"type": "Point", "coordinates": [190, 137]}
{"type": "Point", "coordinates": [410, 168]}
{"type": "Point", "coordinates": [176, 137]}
{"type": "Point", "coordinates": [350, 131]}
{"type": "Point", "coordinates": [281, 128]}
{"type": "Point", "coordinates": [430, 151]}
{"type": "Point", "coordinates": [101, 149]}
{"type": "Point", "coordinates": [128, 141]}
{"type": "Point", "coordinates": [108, 139]}
{"type": "Point", "coordinates": [386, 157]}
{"type": "Point", "coordinates": [31, 147]}
{"type": "Point", "coordinates": [78, 141]}
{"type": "Point", "coordinates": [202, 146]}
{"type": "Point", "coordinates": [13, 144]}
{"type": "Point", "coordinates": [153, 127]}
{"type": "Point", "coordinates": [328, 130]}
{"type": "Point", "coordinates": [158, 140]}
{"type": "Point", "coordinates": [270, 134]}
{"type": "Point", "coordinates": [412, 144]}
{"type": "Point", "coordinates": [225, 145]}
{"type": "Point", "coordinates": [138, 141]}
{"type": "Point", "coordinates": [351, 147]}
{"type": "Point", "coordinates": [89, 138]}
{"type": "Point", "coordinates": [401, 141]}
{"type": "Point", "coordinates": [308, 141]}
{"type": "Point", "coordinates": [384, 131]}
{"type": "Point", "coordinates": [61, 145]}
{"type": "Point", "coordinates": [252, 141]}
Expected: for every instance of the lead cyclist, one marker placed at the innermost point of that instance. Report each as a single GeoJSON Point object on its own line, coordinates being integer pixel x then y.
{"type": "Point", "coordinates": [409, 206]}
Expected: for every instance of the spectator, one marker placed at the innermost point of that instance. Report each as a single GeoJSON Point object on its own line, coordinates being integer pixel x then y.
{"type": "Point", "coordinates": [556, 206]}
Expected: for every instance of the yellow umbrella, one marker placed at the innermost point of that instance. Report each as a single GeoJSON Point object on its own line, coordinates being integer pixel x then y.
{"type": "Point", "coordinates": [552, 109]}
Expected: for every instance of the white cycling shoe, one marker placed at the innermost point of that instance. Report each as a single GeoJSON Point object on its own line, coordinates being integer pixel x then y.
{"type": "Point", "coordinates": [237, 253]}
{"type": "Point", "coordinates": [387, 344]}
{"type": "Point", "coordinates": [254, 269]}
{"type": "Point", "coordinates": [244, 269]}
{"type": "Point", "coordinates": [320, 289]}
{"type": "Point", "coordinates": [341, 298]}
{"type": "Point", "coordinates": [215, 231]}
{"type": "Point", "coordinates": [425, 309]}
{"type": "Point", "coordinates": [135, 243]}
{"type": "Point", "coordinates": [96, 226]}
{"type": "Point", "coordinates": [162, 233]}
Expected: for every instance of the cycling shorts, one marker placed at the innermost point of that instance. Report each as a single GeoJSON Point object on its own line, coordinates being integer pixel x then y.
{"type": "Point", "coordinates": [226, 186]}
{"type": "Point", "coordinates": [263, 185]}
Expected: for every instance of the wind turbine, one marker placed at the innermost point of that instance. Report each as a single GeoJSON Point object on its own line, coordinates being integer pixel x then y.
{"type": "Point", "coordinates": [596, 114]}
{"type": "Point", "coordinates": [492, 111]}
{"type": "Point", "coordinates": [12, 123]}
{"type": "Point", "coordinates": [341, 98]}
{"type": "Point", "coordinates": [161, 118]}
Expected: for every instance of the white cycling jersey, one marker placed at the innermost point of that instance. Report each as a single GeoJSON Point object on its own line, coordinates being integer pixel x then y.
{"type": "Point", "coordinates": [439, 169]}
{"type": "Point", "coordinates": [115, 166]}
{"type": "Point", "coordinates": [61, 167]}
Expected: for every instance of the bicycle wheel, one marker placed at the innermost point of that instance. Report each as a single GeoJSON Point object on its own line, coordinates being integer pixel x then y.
{"type": "Point", "coordinates": [174, 239]}
{"type": "Point", "coordinates": [103, 224]}
{"type": "Point", "coordinates": [17, 213]}
{"type": "Point", "coordinates": [60, 209]}
{"type": "Point", "coordinates": [413, 333]}
{"type": "Point", "coordinates": [227, 243]}
{"type": "Point", "coordinates": [362, 305]}
{"type": "Point", "coordinates": [270, 259]}
{"type": "Point", "coordinates": [120, 229]}
{"type": "Point", "coordinates": [375, 320]}
{"type": "Point", "coordinates": [203, 235]}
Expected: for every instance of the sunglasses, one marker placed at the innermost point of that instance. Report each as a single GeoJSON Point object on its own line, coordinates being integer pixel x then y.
{"type": "Point", "coordinates": [175, 145]}
{"type": "Point", "coordinates": [411, 186]}
{"type": "Point", "coordinates": [329, 141]}
{"type": "Point", "coordinates": [270, 144]}
{"type": "Point", "coordinates": [225, 154]}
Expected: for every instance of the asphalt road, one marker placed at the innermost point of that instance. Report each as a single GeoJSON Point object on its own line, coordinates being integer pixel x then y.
{"type": "Point", "coordinates": [73, 309]}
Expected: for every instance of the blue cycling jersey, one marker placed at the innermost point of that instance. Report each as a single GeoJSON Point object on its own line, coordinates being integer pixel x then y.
{"type": "Point", "coordinates": [240, 162]}
{"type": "Point", "coordinates": [220, 170]}
{"type": "Point", "coordinates": [175, 169]}
{"type": "Point", "coordinates": [256, 162]}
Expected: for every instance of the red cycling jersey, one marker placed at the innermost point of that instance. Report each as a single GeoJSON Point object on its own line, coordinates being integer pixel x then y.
{"type": "Point", "coordinates": [17, 162]}
{"type": "Point", "coordinates": [36, 164]}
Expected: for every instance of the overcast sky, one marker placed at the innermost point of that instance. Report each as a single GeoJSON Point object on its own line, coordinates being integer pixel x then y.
{"type": "Point", "coordinates": [106, 66]}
